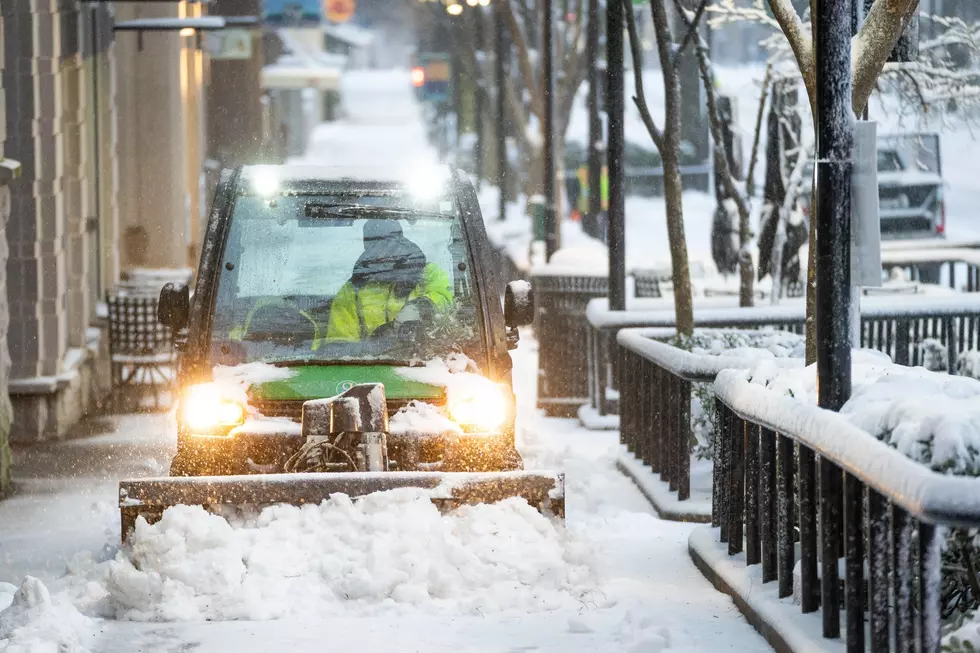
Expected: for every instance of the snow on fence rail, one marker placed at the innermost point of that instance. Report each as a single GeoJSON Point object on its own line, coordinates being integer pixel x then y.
{"type": "Point", "coordinates": [917, 263]}
{"type": "Point", "coordinates": [897, 330]}
{"type": "Point", "coordinates": [784, 464]}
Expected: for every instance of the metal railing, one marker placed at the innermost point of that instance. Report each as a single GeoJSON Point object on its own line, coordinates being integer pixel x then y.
{"type": "Point", "coordinates": [789, 474]}
{"type": "Point", "coordinates": [921, 263]}
{"type": "Point", "coordinates": [952, 321]}
{"type": "Point", "coordinates": [655, 424]}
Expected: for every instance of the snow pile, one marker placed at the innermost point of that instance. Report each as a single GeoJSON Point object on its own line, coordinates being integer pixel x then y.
{"type": "Point", "coordinates": [764, 344]}
{"type": "Point", "coordinates": [419, 417]}
{"type": "Point", "coordinates": [755, 344]}
{"type": "Point", "coordinates": [386, 551]}
{"type": "Point", "coordinates": [587, 258]}
{"type": "Point", "coordinates": [31, 622]}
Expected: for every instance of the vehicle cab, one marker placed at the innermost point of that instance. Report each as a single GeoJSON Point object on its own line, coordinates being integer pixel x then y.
{"type": "Point", "coordinates": [313, 280]}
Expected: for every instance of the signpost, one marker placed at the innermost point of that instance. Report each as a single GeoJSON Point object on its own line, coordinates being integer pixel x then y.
{"type": "Point", "coordinates": [228, 44]}
{"type": "Point", "coordinates": [435, 74]}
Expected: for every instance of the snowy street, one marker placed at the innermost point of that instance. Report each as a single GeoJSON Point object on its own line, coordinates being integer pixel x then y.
{"type": "Point", "coordinates": [386, 574]}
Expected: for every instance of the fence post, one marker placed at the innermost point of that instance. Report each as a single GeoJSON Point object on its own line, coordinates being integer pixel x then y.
{"type": "Point", "coordinates": [902, 342]}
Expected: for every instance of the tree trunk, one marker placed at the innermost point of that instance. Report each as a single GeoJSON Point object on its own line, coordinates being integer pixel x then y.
{"type": "Point", "coordinates": [683, 299]}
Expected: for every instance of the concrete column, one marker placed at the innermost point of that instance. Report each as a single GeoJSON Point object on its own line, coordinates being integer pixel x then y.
{"type": "Point", "coordinates": [106, 144]}
{"type": "Point", "coordinates": [32, 78]}
{"type": "Point", "coordinates": [75, 182]}
{"type": "Point", "coordinates": [154, 200]}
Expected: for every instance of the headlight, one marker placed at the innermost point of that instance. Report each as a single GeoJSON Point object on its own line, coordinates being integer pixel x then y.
{"type": "Point", "coordinates": [206, 410]}
{"type": "Point", "coordinates": [483, 406]}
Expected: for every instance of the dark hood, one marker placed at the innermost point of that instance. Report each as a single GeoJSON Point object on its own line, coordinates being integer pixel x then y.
{"type": "Point", "coordinates": [389, 258]}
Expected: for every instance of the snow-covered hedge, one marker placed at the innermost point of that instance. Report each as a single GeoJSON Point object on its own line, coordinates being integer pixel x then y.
{"type": "Point", "coordinates": [756, 345]}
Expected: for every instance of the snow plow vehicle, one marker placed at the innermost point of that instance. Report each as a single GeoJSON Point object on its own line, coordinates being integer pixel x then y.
{"type": "Point", "coordinates": [345, 335]}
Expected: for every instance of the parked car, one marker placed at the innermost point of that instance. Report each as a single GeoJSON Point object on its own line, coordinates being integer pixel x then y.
{"type": "Point", "coordinates": [910, 187]}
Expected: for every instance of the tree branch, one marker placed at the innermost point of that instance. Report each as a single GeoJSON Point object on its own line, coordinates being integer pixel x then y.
{"type": "Point", "coordinates": [523, 56]}
{"type": "Point", "coordinates": [640, 97]}
{"type": "Point", "coordinates": [872, 45]}
{"type": "Point", "coordinates": [750, 177]}
{"type": "Point", "coordinates": [799, 41]}
{"type": "Point", "coordinates": [692, 28]}
{"type": "Point", "coordinates": [714, 120]}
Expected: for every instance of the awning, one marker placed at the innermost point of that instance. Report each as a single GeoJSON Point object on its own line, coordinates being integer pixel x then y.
{"type": "Point", "coordinates": [278, 76]}
{"type": "Point", "coordinates": [170, 24]}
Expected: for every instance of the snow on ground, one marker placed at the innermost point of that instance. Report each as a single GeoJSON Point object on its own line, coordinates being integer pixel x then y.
{"type": "Point", "coordinates": [387, 573]}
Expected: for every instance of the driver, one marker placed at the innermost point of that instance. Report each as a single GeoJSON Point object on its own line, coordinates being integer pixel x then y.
{"type": "Point", "coordinates": [391, 283]}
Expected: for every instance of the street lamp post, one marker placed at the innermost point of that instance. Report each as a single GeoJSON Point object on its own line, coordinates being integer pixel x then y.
{"type": "Point", "coordinates": [551, 211]}
{"type": "Point", "coordinates": [500, 66]}
{"type": "Point", "coordinates": [591, 220]}
{"type": "Point", "coordinates": [835, 143]}
{"type": "Point", "coordinates": [615, 111]}
{"type": "Point", "coordinates": [478, 101]}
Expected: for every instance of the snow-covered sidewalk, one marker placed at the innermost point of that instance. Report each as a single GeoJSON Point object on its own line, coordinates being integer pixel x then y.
{"type": "Point", "coordinates": [613, 577]}
{"type": "Point", "coordinates": [388, 573]}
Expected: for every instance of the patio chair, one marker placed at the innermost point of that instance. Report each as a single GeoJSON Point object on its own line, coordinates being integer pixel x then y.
{"type": "Point", "coordinates": [141, 349]}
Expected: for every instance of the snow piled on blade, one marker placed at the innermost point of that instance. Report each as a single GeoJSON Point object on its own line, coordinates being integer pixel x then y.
{"type": "Point", "coordinates": [31, 622]}
{"type": "Point", "coordinates": [388, 551]}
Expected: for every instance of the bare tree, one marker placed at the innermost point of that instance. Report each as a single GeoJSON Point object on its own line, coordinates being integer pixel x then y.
{"type": "Point", "coordinates": [934, 80]}
{"type": "Point", "coordinates": [667, 142]}
{"type": "Point", "coordinates": [524, 91]}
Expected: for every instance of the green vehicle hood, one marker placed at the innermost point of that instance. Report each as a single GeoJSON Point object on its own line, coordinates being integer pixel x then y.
{"type": "Point", "coordinates": [321, 381]}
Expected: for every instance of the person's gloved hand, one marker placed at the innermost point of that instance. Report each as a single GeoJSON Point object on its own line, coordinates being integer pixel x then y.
{"type": "Point", "coordinates": [417, 310]}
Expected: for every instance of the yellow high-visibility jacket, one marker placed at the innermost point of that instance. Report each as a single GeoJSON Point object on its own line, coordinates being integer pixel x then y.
{"type": "Point", "coordinates": [376, 304]}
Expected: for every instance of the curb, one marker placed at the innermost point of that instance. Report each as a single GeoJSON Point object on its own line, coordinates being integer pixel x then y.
{"type": "Point", "coordinates": [659, 495]}
{"type": "Point", "coordinates": [779, 621]}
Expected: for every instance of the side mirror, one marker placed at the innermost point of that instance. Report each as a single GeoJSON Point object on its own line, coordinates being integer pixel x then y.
{"type": "Point", "coordinates": [518, 304]}
{"type": "Point", "coordinates": [174, 309]}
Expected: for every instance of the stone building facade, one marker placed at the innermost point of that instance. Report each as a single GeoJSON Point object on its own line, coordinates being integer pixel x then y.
{"type": "Point", "coordinates": [8, 170]}
{"type": "Point", "coordinates": [61, 234]}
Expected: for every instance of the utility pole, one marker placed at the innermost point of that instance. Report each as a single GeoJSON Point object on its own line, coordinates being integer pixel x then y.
{"type": "Point", "coordinates": [550, 209]}
{"type": "Point", "coordinates": [478, 101]}
{"type": "Point", "coordinates": [500, 65]}
{"type": "Point", "coordinates": [616, 136]}
{"type": "Point", "coordinates": [835, 144]}
{"type": "Point", "coordinates": [591, 219]}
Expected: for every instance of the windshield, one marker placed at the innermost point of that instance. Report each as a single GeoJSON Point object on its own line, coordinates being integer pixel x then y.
{"type": "Point", "coordinates": [338, 278]}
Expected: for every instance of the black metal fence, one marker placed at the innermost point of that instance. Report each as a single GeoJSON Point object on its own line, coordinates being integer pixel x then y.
{"type": "Point", "coordinates": [560, 326]}
{"type": "Point", "coordinates": [790, 475]}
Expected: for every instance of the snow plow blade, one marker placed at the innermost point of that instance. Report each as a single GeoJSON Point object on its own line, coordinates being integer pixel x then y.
{"type": "Point", "coordinates": [148, 498]}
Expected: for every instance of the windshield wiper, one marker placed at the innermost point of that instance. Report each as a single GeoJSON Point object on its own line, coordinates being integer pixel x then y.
{"type": "Point", "coordinates": [347, 210]}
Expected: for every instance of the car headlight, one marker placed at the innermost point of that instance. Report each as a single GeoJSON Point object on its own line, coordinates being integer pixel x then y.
{"type": "Point", "coordinates": [206, 410]}
{"type": "Point", "coordinates": [483, 406]}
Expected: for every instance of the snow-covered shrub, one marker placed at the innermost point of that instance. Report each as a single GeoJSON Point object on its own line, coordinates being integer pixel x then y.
{"type": "Point", "coordinates": [762, 344]}
{"type": "Point", "coordinates": [968, 364]}
{"type": "Point", "coordinates": [934, 356]}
